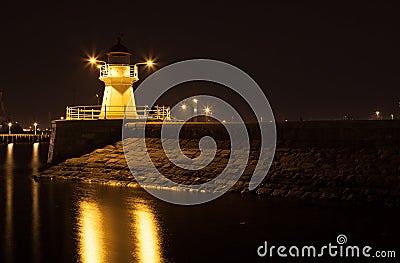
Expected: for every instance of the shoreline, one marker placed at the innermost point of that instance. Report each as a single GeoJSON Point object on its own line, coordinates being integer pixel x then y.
{"type": "Point", "coordinates": [246, 194]}
{"type": "Point", "coordinates": [360, 175]}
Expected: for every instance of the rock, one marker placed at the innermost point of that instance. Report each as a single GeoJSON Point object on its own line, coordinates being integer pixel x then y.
{"type": "Point", "coordinates": [264, 190]}
{"type": "Point", "coordinates": [294, 194]}
{"type": "Point", "coordinates": [279, 192]}
{"type": "Point", "coordinates": [320, 155]}
{"type": "Point", "coordinates": [375, 181]}
{"type": "Point", "coordinates": [329, 195]}
{"type": "Point", "coordinates": [306, 165]}
{"type": "Point", "coordinates": [281, 150]}
{"type": "Point", "coordinates": [328, 173]}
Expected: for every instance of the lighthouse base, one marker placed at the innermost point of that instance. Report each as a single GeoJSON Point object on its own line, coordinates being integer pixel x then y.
{"type": "Point", "coordinates": [118, 103]}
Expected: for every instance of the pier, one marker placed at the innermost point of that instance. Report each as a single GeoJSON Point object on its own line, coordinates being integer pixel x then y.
{"type": "Point", "coordinates": [31, 138]}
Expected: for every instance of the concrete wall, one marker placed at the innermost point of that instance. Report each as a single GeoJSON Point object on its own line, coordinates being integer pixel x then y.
{"type": "Point", "coordinates": [75, 138]}
{"type": "Point", "coordinates": [331, 133]}
{"type": "Point", "coordinates": [302, 133]}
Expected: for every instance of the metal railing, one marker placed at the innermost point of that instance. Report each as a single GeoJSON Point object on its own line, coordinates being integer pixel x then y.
{"type": "Point", "coordinates": [161, 113]}
{"type": "Point", "coordinates": [95, 112]}
{"type": "Point", "coordinates": [106, 70]}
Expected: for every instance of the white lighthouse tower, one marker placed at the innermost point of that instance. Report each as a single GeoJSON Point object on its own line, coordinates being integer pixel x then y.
{"type": "Point", "coordinates": [118, 76]}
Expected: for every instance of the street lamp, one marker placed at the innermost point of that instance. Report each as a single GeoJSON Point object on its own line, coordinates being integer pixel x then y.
{"type": "Point", "coordinates": [207, 111]}
{"type": "Point", "coordinates": [148, 63]}
{"type": "Point", "coordinates": [9, 127]}
{"type": "Point", "coordinates": [35, 125]}
{"type": "Point", "coordinates": [195, 107]}
{"type": "Point", "coordinates": [377, 113]}
{"type": "Point", "coordinates": [94, 61]}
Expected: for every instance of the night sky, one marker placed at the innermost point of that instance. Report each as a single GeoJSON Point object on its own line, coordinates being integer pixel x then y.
{"type": "Point", "coordinates": [314, 61]}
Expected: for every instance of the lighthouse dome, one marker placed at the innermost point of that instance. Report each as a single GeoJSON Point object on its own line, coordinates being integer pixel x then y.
{"type": "Point", "coordinates": [119, 49]}
{"type": "Point", "coordinates": [119, 54]}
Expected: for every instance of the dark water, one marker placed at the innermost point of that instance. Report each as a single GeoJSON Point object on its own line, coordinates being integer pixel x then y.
{"type": "Point", "coordinates": [72, 222]}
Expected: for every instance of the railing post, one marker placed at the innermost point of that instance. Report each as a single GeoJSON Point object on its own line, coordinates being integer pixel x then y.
{"type": "Point", "coordinates": [105, 112]}
{"type": "Point", "coordinates": [78, 113]}
{"type": "Point", "coordinates": [92, 114]}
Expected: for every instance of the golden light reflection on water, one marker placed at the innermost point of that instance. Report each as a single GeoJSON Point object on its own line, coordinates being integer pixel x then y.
{"type": "Point", "coordinates": [91, 233]}
{"type": "Point", "coordinates": [9, 166]}
{"type": "Point", "coordinates": [111, 231]}
{"type": "Point", "coordinates": [146, 231]}
{"type": "Point", "coordinates": [35, 164]}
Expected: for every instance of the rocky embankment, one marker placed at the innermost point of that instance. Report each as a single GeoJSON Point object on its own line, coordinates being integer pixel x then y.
{"type": "Point", "coordinates": [362, 174]}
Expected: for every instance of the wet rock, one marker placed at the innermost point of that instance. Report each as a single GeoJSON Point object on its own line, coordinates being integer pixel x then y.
{"type": "Point", "coordinates": [306, 165]}
{"type": "Point", "coordinates": [361, 175]}
{"type": "Point", "coordinates": [279, 192]}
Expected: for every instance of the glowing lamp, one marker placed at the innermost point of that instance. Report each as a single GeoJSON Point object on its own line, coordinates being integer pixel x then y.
{"type": "Point", "coordinates": [92, 60]}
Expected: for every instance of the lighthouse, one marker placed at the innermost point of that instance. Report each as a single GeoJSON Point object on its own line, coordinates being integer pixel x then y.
{"type": "Point", "coordinates": [118, 76]}
{"type": "Point", "coordinates": [118, 102]}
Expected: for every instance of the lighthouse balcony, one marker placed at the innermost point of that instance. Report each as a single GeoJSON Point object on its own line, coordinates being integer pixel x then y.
{"type": "Point", "coordinates": [118, 71]}
{"type": "Point", "coordinates": [96, 112]}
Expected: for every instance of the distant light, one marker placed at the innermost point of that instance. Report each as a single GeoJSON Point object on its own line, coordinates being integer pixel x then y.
{"type": "Point", "coordinates": [207, 110]}
{"type": "Point", "coordinates": [285, 120]}
{"type": "Point", "coordinates": [195, 100]}
{"type": "Point", "coordinates": [149, 63]}
{"type": "Point", "coordinates": [183, 107]}
{"type": "Point", "coordinates": [377, 114]}
{"type": "Point", "coordinates": [61, 117]}
{"type": "Point", "coordinates": [35, 124]}
{"type": "Point", "coordinates": [223, 121]}
{"type": "Point", "coordinates": [9, 124]}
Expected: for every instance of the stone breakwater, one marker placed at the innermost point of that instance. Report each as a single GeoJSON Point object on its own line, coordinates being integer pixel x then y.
{"type": "Point", "coordinates": [362, 174]}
